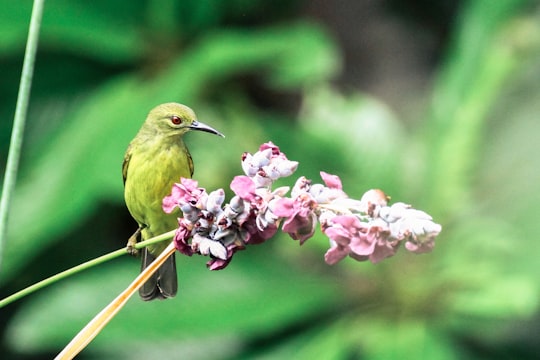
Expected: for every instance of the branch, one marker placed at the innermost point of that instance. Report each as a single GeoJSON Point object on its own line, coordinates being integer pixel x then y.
{"type": "Point", "coordinates": [74, 270]}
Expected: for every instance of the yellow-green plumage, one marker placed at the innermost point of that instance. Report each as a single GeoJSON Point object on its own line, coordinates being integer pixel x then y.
{"type": "Point", "coordinates": [155, 159]}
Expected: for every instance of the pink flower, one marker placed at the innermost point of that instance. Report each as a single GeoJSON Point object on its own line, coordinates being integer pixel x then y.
{"type": "Point", "coordinates": [254, 235]}
{"type": "Point", "coordinates": [169, 202]}
{"type": "Point", "coordinates": [244, 187]}
{"type": "Point", "coordinates": [219, 264]}
{"type": "Point", "coordinates": [332, 181]}
{"type": "Point", "coordinates": [420, 248]}
{"type": "Point", "coordinates": [182, 237]}
{"type": "Point", "coordinates": [361, 241]}
{"type": "Point", "coordinates": [258, 221]}
{"type": "Point", "coordinates": [267, 165]}
{"type": "Point", "coordinates": [270, 145]}
{"type": "Point", "coordinates": [186, 192]}
{"type": "Point", "coordinates": [300, 219]}
{"type": "Point", "coordinates": [374, 245]}
{"type": "Point", "coordinates": [329, 193]}
{"type": "Point", "coordinates": [366, 229]}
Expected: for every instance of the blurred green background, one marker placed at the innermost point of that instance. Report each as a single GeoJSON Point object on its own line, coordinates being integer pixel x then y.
{"type": "Point", "coordinates": [436, 102]}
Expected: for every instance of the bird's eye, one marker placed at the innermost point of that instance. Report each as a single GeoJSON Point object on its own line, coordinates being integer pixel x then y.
{"type": "Point", "coordinates": [176, 120]}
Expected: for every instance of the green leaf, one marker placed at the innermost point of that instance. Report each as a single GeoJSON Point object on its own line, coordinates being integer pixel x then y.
{"type": "Point", "coordinates": [403, 339]}
{"type": "Point", "coordinates": [100, 31]}
{"type": "Point", "coordinates": [327, 341]}
{"type": "Point", "coordinates": [486, 53]}
{"type": "Point", "coordinates": [366, 137]}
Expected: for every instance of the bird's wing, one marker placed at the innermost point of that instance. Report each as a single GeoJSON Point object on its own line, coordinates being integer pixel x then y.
{"type": "Point", "coordinates": [125, 164]}
{"type": "Point", "coordinates": [190, 162]}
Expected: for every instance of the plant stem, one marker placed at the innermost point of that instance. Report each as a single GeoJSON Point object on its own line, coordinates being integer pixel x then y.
{"type": "Point", "coordinates": [74, 270]}
{"type": "Point", "coordinates": [19, 120]}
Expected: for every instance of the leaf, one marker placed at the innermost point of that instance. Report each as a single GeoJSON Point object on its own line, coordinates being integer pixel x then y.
{"type": "Point", "coordinates": [371, 139]}
{"type": "Point", "coordinates": [468, 85]}
{"type": "Point", "coordinates": [96, 31]}
{"type": "Point", "coordinates": [325, 341]}
{"type": "Point", "coordinates": [405, 338]}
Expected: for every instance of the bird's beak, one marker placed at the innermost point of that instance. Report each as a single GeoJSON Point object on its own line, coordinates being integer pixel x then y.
{"type": "Point", "coordinates": [197, 125]}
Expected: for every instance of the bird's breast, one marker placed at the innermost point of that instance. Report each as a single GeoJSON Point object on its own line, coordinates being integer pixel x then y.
{"type": "Point", "coordinates": [151, 174]}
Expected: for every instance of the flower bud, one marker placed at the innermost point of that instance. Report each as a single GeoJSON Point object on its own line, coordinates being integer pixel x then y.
{"type": "Point", "coordinates": [287, 167]}
{"type": "Point", "coordinates": [206, 246]}
{"type": "Point", "coordinates": [261, 158]}
{"type": "Point", "coordinates": [214, 201]}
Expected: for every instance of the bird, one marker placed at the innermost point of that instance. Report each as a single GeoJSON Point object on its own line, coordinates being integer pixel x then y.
{"type": "Point", "coordinates": [155, 159]}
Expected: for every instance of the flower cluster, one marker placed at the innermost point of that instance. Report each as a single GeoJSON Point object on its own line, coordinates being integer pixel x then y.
{"type": "Point", "coordinates": [381, 232]}
{"type": "Point", "coordinates": [363, 229]}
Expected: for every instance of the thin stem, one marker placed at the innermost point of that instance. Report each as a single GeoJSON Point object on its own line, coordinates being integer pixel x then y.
{"type": "Point", "coordinates": [74, 270]}
{"type": "Point", "coordinates": [19, 120]}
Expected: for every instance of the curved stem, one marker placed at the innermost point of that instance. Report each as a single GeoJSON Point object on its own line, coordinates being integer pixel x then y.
{"type": "Point", "coordinates": [74, 270]}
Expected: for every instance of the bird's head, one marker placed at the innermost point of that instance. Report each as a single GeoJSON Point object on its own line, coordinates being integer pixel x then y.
{"type": "Point", "coordinates": [173, 119]}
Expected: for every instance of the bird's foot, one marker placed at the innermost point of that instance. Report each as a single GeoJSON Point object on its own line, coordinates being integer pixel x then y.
{"type": "Point", "coordinates": [132, 241]}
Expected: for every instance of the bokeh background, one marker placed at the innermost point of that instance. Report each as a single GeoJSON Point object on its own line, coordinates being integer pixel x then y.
{"type": "Point", "coordinates": [435, 102]}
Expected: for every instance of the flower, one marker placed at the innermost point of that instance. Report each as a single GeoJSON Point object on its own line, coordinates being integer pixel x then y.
{"type": "Point", "coordinates": [301, 211]}
{"type": "Point", "coordinates": [300, 217]}
{"type": "Point", "coordinates": [331, 181]}
{"type": "Point", "coordinates": [365, 229]}
{"type": "Point", "coordinates": [244, 187]}
{"type": "Point", "coordinates": [212, 229]}
{"type": "Point", "coordinates": [182, 236]}
{"type": "Point", "coordinates": [207, 246]}
{"type": "Point", "coordinates": [361, 241]}
{"type": "Point", "coordinates": [373, 231]}
{"type": "Point", "coordinates": [267, 165]}
{"type": "Point", "coordinates": [185, 194]}
{"type": "Point", "coordinates": [371, 200]}
{"type": "Point", "coordinates": [414, 226]}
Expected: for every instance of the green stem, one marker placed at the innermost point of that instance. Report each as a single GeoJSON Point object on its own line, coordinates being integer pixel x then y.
{"type": "Point", "coordinates": [74, 270]}
{"type": "Point", "coordinates": [19, 120]}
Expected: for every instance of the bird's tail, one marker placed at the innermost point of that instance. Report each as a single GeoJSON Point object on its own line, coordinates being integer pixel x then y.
{"type": "Point", "coordinates": [164, 283]}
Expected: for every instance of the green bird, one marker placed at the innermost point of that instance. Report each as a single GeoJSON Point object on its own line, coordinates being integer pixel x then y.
{"type": "Point", "coordinates": [155, 159]}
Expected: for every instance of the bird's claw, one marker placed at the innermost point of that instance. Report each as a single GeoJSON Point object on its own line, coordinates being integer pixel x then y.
{"type": "Point", "coordinates": [132, 241]}
{"type": "Point", "coordinates": [132, 250]}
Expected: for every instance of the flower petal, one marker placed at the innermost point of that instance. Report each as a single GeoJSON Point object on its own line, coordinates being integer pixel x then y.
{"type": "Point", "coordinates": [332, 181]}
{"type": "Point", "coordinates": [283, 207]}
{"type": "Point", "coordinates": [244, 187]}
{"type": "Point", "coordinates": [335, 254]}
